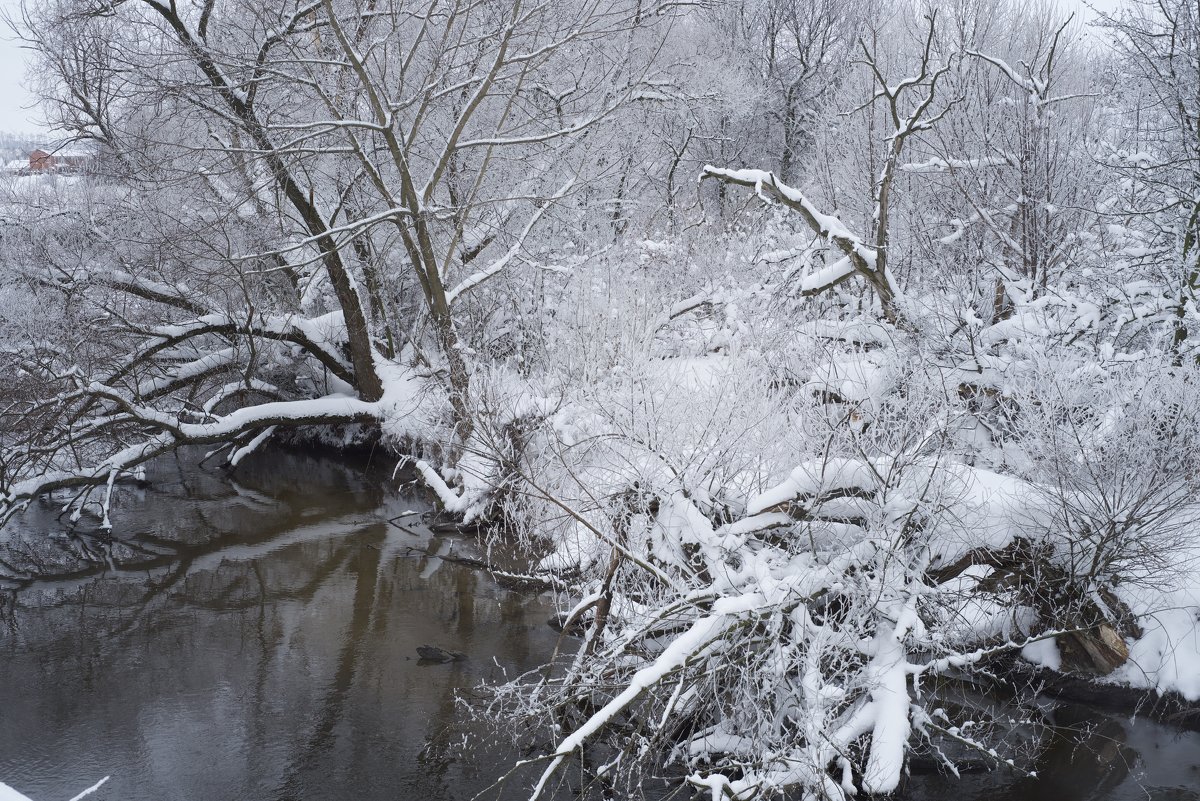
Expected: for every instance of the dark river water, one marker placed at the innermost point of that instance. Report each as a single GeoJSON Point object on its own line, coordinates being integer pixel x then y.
{"type": "Point", "coordinates": [256, 639]}
{"type": "Point", "coordinates": [269, 654]}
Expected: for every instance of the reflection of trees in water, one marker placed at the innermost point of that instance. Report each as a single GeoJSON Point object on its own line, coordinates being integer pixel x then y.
{"type": "Point", "coordinates": [364, 564]}
{"type": "Point", "coordinates": [185, 510]}
{"type": "Point", "coordinates": [315, 633]}
{"type": "Point", "coordinates": [1083, 756]}
{"type": "Point", "coordinates": [275, 589]}
{"type": "Point", "coordinates": [8, 602]}
{"type": "Point", "coordinates": [191, 518]}
{"type": "Point", "coordinates": [1086, 758]}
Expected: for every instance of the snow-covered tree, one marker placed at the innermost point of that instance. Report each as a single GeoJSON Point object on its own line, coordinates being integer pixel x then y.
{"type": "Point", "coordinates": [804, 465]}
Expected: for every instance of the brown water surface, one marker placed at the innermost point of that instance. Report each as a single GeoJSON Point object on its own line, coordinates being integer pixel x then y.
{"type": "Point", "coordinates": [253, 639]}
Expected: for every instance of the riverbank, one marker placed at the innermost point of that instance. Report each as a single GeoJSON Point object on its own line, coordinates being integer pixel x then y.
{"type": "Point", "coordinates": [260, 554]}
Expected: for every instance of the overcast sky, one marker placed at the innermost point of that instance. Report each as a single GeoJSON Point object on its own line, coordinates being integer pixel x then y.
{"type": "Point", "coordinates": [14, 116]}
{"type": "Point", "coordinates": [17, 115]}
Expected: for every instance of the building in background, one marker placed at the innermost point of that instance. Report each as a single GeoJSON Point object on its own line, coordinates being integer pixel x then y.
{"type": "Point", "coordinates": [68, 157]}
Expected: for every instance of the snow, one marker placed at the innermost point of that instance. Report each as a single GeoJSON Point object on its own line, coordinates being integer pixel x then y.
{"type": "Point", "coordinates": [859, 378]}
{"type": "Point", "coordinates": [813, 478]}
{"type": "Point", "coordinates": [827, 277]}
{"type": "Point", "coordinates": [889, 697]}
{"type": "Point", "coordinates": [479, 276]}
{"type": "Point", "coordinates": [577, 549]}
{"type": "Point", "coordinates": [91, 789]}
{"type": "Point", "coordinates": [827, 225]}
{"type": "Point", "coordinates": [936, 164]}
{"type": "Point", "coordinates": [860, 331]}
{"type": "Point", "coordinates": [714, 431]}
{"type": "Point", "coordinates": [68, 150]}
{"type": "Point", "coordinates": [1043, 653]}
{"type": "Point", "coordinates": [9, 794]}
{"type": "Point", "coordinates": [1166, 658]}
{"type": "Point", "coordinates": [959, 229]}
{"type": "Point", "coordinates": [679, 651]}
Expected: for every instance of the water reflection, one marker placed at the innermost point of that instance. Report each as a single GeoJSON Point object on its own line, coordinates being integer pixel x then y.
{"type": "Point", "coordinates": [1088, 755]}
{"type": "Point", "coordinates": [273, 656]}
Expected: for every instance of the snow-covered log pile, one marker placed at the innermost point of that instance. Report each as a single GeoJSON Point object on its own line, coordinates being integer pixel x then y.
{"type": "Point", "coordinates": [800, 644]}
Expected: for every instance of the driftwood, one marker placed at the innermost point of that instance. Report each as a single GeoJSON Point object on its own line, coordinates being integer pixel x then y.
{"type": "Point", "coordinates": [1169, 707]}
{"type": "Point", "coordinates": [1095, 640]}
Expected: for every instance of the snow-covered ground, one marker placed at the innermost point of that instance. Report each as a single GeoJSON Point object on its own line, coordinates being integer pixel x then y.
{"type": "Point", "coordinates": [9, 794]}
{"type": "Point", "coordinates": [1166, 658]}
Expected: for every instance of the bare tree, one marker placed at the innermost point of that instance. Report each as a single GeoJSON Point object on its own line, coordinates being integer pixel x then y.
{"type": "Point", "coordinates": [909, 105]}
{"type": "Point", "coordinates": [1044, 166]}
{"type": "Point", "coordinates": [340, 156]}
{"type": "Point", "coordinates": [1159, 42]}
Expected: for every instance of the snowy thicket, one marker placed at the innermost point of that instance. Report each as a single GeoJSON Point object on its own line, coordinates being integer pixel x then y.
{"type": "Point", "coordinates": [826, 372]}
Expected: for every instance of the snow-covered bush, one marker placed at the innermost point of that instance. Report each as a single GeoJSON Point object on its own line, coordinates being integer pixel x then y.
{"type": "Point", "coordinates": [759, 626]}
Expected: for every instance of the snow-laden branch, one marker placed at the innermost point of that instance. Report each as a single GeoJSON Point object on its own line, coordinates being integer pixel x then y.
{"type": "Point", "coordinates": [860, 259]}
{"type": "Point", "coordinates": [1029, 85]}
{"type": "Point", "coordinates": [767, 186]}
{"type": "Point", "coordinates": [320, 336]}
{"type": "Point", "coordinates": [935, 164]}
{"type": "Point", "coordinates": [478, 277]}
{"type": "Point", "coordinates": [1037, 81]}
{"type": "Point", "coordinates": [91, 789]}
{"type": "Point", "coordinates": [673, 657]}
{"type": "Point", "coordinates": [108, 408]}
{"type": "Point", "coordinates": [147, 289]}
{"type": "Point", "coordinates": [840, 621]}
{"type": "Point", "coordinates": [9, 794]}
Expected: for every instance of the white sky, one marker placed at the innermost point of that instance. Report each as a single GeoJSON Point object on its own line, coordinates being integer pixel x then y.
{"type": "Point", "coordinates": [17, 114]}
{"type": "Point", "coordinates": [14, 100]}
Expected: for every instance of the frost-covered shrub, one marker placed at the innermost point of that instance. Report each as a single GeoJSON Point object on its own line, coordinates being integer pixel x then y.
{"type": "Point", "coordinates": [755, 639]}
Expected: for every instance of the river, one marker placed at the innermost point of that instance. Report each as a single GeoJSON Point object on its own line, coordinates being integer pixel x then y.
{"type": "Point", "coordinates": [254, 637]}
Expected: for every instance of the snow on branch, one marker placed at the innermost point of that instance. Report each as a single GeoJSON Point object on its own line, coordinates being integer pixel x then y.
{"type": "Point", "coordinates": [9, 794]}
{"type": "Point", "coordinates": [168, 432]}
{"type": "Point", "coordinates": [1038, 78]}
{"type": "Point", "coordinates": [793, 643]}
{"type": "Point", "coordinates": [859, 258]}
{"type": "Point", "coordinates": [478, 277]}
{"type": "Point", "coordinates": [767, 186]}
{"type": "Point", "coordinates": [936, 164]}
{"type": "Point", "coordinates": [673, 657]}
